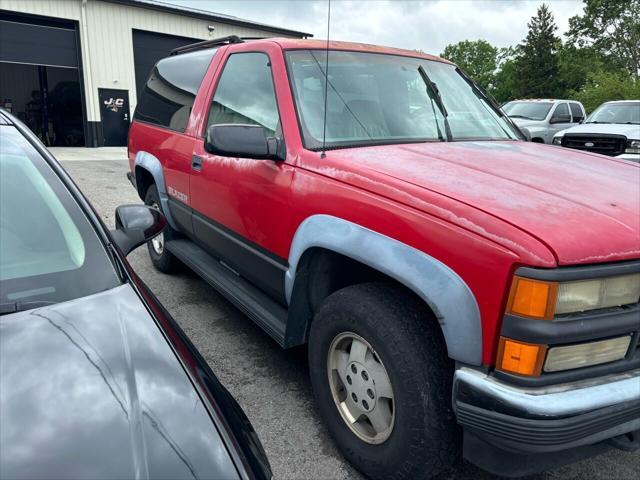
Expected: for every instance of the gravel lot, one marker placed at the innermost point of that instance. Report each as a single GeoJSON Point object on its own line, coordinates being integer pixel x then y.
{"type": "Point", "coordinates": [270, 384]}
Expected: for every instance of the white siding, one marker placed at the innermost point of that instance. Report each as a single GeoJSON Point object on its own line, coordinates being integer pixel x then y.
{"type": "Point", "coordinates": [106, 38]}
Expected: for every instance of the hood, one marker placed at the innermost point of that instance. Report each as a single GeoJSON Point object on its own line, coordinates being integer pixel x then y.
{"type": "Point", "coordinates": [91, 389]}
{"type": "Point", "coordinates": [525, 123]}
{"type": "Point", "coordinates": [584, 207]}
{"type": "Point", "coordinates": [629, 131]}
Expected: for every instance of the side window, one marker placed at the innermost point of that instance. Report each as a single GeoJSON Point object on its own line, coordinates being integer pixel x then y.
{"type": "Point", "coordinates": [561, 114]}
{"type": "Point", "coordinates": [169, 93]}
{"type": "Point", "coordinates": [576, 112]}
{"type": "Point", "coordinates": [245, 93]}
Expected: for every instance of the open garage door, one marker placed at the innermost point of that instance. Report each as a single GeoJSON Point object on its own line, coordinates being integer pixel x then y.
{"type": "Point", "coordinates": [148, 48]}
{"type": "Point", "coordinates": [40, 78]}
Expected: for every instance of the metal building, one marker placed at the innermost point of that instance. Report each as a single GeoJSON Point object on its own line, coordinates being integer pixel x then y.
{"type": "Point", "coordinates": [70, 69]}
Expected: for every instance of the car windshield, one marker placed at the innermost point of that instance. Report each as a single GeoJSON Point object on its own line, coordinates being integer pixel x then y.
{"type": "Point", "coordinates": [377, 98]}
{"type": "Point", "coordinates": [528, 110]}
{"type": "Point", "coordinates": [49, 252]}
{"type": "Point", "coordinates": [625, 113]}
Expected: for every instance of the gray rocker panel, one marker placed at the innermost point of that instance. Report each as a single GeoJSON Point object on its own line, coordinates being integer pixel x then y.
{"type": "Point", "coordinates": [152, 165]}
{"type": "Point", "coordinates": [440, 287]}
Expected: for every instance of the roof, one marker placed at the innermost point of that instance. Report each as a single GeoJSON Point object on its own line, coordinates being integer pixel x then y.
{"type": "Point", "coordinates": [206, 15]}
{"type": "Point", "coordinates": [542, 100]}
{"type": "Point", "coordinates": [297, 43]}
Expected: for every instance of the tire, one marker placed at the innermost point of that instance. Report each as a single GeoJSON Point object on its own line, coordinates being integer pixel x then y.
{"type": "Point", "coordinates": [161, 258]}
{"type": "Point", "coordinates": [423, 438]}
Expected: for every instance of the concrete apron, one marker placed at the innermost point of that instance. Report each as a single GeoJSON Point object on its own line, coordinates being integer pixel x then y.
{"type": "Point", "coordinates": [67, 154]}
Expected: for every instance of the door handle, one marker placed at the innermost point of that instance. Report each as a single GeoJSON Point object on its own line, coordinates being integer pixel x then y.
{"type": "Point", "coordinates": [196, 163]}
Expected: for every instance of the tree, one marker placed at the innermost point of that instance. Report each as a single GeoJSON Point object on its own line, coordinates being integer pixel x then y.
{"type": "Point", "coordinates": [611, 27]}
{"type": "Point", "coordinates": [478, 58]}
{"type": "Point", "coordinates": [576, 64]}
{"type": "Point", "coordinates": [536, 64]}
{"type": "Point", "coordinates": [604, 86]}
{"type": "Point", "coordinates": [505, 87]}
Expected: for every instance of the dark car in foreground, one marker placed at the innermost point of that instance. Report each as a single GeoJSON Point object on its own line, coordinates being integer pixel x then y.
{"type": "Point", "coordinates": [96, 379]}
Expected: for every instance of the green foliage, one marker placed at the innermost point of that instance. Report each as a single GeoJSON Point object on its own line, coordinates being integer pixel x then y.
{"type": "Point", "coordinates": [599, 62]}
{"type": "Point", "coordinates": [536, 61]}
{"type": "Point", "coordinates": [603, 86]}
{"type": "Point", "coordinates": [479, 59]}
{"type": "Point", "coordinates": [611, 27]}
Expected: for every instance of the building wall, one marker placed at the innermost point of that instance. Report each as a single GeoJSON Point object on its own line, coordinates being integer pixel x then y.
{"type": "Point", "coordinates": [106, 38]}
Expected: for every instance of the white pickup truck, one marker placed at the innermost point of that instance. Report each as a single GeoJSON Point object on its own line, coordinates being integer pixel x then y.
{"type": "Point", "coordinates": [612, 129]}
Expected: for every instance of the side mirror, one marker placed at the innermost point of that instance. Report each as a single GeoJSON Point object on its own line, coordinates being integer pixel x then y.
{"type": "Point", "coordinates": [525, 131]}
{"type": "Point", "coordinates": [244, 141]}
{"type": "Point", "coordinates": [135, 225]}
{"type": "Point", "coordinates": [560, 119]}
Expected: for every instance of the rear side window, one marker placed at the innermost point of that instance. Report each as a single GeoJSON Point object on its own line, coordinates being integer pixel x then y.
{"type": "Point", "coordinates": [245, 93]}
{"type": "Point", "coordinates": [169, 93]}
{"type": "Point", "coordinates": [576, 112]}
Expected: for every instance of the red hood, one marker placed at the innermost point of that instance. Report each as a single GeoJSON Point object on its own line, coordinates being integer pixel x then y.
{"type": "Point", "coordinates": [584, 207]}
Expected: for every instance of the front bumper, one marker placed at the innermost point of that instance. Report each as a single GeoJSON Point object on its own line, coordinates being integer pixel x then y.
{"type": "Point", "coordinates": [634, 157]}
{"type": "Point", "coordinates": [543, 427]}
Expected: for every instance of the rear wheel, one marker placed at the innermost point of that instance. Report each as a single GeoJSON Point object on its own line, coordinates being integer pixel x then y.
{"type": "Point", "coordinates": [161, 258]}
{"type": "Point", "coordinates": [382, 379]}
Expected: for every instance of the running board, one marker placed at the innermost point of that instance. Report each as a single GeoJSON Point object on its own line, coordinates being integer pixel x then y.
{"type": "Point", "coordinates": [268, 314]}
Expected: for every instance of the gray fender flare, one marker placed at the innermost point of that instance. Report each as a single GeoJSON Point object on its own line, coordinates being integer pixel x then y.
{"type": "Point", "coordinates": [441, 288]}
{"type": "Point", "coordinates": [152, 165]}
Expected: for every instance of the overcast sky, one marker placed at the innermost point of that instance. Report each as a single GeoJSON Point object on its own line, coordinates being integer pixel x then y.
{"type": "Point", "coordinates": [426, 25]}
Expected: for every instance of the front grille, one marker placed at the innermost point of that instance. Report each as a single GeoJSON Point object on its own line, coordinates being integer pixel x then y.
{"type": "Point", "coordinates": [611, 145]}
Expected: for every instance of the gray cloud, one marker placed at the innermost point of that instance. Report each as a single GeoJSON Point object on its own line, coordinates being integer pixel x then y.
{"type": "Point", "coordinates": [425, 25]}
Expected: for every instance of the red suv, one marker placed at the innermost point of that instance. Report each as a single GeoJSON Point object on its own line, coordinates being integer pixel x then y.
{"type": "Point", "coordinates": [460, 290]}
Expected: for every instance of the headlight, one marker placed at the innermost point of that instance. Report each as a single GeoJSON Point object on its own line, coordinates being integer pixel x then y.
{"type": "Point", "coordinates": [557, 140]}
{"type": "Point", "coordinates": [543, 300]}
{"type": "Point", "coordinates": [633, 146]}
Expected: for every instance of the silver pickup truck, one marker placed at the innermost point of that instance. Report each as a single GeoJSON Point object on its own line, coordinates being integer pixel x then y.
{"type": "Point", "coordinates": [544, 118]}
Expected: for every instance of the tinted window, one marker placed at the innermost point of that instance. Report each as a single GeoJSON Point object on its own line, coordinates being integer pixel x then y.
{"type": "Point", "coordinates": [561, 109]}
{"type": "Point", "coordinates": [169, 94]}
{"type": "Point", "coordinates": [576, 112]}
{"type": "Point", "coordinates": [48, 249]}
{"type": "Point", "coordinates": [245, 93]}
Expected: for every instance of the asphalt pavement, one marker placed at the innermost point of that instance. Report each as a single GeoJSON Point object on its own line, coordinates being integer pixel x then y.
{"type": "Point", "coordinates": [271, 385]}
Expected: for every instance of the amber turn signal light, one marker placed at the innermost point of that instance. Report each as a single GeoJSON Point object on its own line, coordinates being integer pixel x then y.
{"type": "Point", "coordinates": [532, 298]}
{"type": "Point", "coordinates": [520, 357]}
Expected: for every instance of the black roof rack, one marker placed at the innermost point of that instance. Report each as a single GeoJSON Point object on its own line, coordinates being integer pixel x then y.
{"type": "Point", "coordinates": [214, 42]}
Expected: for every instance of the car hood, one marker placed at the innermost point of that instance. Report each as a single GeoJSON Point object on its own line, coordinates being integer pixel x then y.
{"type": "Point", "coordinates": [523, 122]}
{"type": "Point", "coordinates": [584, 207]}
{"type": "Point", "coordinates": [629, 131]}
{"type": "Point", "coordinates": [91, 389]}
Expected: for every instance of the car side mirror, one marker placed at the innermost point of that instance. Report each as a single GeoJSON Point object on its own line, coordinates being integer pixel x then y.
{"type": "Point", "coordinates": [135, 225]}
{"type": "Point", "coordinates": [560, 119]}
{"type": "Point", "coordinates": [244, 141]}
{"type": "Point", "coordinates": [525, 131]}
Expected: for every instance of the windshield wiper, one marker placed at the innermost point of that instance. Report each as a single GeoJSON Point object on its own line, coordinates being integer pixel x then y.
{"type": "Point", "coordinates": [13, 307]}
{"type": "Point", "coordinates": [438, 99]}
{"type": "Point", "coordinates": [520, 116]}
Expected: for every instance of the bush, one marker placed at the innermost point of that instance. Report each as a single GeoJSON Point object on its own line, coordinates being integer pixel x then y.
{"type": "Point", "coordinates": [604, 86]}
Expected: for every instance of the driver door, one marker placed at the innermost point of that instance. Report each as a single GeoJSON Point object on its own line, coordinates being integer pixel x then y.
{"type": "Point", "coordinates": [560, 119]}
{"type": "Point", "coordinates": [241, 205]}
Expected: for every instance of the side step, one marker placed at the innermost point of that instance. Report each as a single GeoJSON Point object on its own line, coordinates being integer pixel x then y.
{"type": "Point", "coordinates": [268, 314]}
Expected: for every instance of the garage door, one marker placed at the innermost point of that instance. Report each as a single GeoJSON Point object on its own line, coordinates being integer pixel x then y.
{"type": "Point", "coordinates": [38, 44]}
{"type": "Point", "coordinates": [149, 47]}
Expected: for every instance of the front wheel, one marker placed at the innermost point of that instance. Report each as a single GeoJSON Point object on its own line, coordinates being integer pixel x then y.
{"type": "Point", "coordinates": [382, 379]}
{"type": "Point", "coordinates": [161, 258]}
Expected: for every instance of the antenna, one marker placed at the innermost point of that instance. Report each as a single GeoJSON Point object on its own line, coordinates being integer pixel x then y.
{"type": "Point", "coordinates": [326, 83]}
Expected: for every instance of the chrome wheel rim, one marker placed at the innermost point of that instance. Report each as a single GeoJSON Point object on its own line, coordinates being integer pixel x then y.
{"type": "Point", "coordinates": [157, 242]}
{"type": "Point", "coordinates": [361, 388]}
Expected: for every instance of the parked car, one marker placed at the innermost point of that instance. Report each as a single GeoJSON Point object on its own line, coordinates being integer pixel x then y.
{"type": "Point", "coordinates": [96, 379]}
{"type": "Point", "coordinates": [443, 272]}
{"type": "Point", "coordinates": [612, 129]}
{"type": "Point", "coordinates": [543, 118]}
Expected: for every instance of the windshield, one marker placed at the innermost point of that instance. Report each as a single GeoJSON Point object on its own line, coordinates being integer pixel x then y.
{"type": "Point", "coordinates": [625, 113]}
{"type": "Point", "coordinates": [376, 98]}
{"type": "Point", "coordinates": [49, 251]}
{"type": "Point", "coordinates": [528, 110]}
